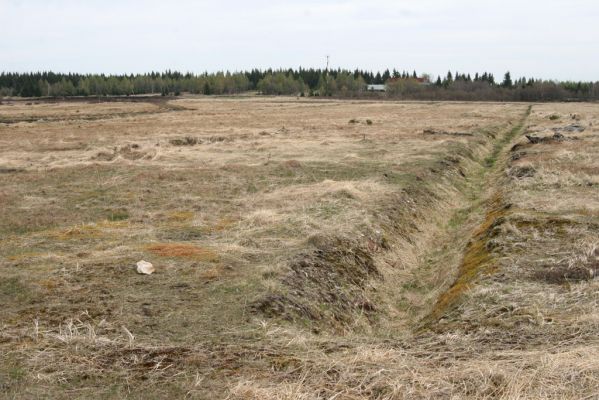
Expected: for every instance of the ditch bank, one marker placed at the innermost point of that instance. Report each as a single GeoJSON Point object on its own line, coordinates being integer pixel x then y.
{"type": "Point", "coordinates": [478, 258]}
{"type": "Point", "coordinates": [354, 280]}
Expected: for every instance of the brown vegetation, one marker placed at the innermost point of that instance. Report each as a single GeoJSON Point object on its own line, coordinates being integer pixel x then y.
{"type": "Point", "coordinates": [298, 256]}
{"type": "Point", "coordinates": [182, 250]}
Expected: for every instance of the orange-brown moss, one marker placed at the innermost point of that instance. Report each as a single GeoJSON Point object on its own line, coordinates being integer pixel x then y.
{"type": "Point", "coordinates": [183, 250]}
{"type": "Point", "coordinates": [477, 258]}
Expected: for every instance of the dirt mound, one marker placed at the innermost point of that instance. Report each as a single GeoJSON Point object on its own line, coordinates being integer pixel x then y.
{"type": "Point", "coordinates": [522, 171]}
{"type": "Point", "coordinates": [430, 131]}
{"type": "Point", "coordinates": [186, 141]}
{"type": "Point", "coordinates": [10, 170]}
{"type": "Point", "coordinates": [557, 137]}
{"type": "Point", "coordinates": [570, 128]}
{"type": "Point", "coordinates": [334, 275]}
{"type": "Point", "coordinates": [129, 152]}
{"type": "Point", "coordinates": [563, 273]}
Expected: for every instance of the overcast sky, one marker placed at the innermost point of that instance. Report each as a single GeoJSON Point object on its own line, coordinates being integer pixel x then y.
{"type": "Point", "coordinates": [553, 39]}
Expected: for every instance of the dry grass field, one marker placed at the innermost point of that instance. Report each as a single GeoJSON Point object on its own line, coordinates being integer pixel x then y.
{"type": "Point", "coordinates": [304, 249]}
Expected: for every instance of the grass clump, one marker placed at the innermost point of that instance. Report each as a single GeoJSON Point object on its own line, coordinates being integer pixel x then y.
{"type": "Point", "coordinates": [118, 215]}
{"type": "Point", "coordinates": [181, 233]}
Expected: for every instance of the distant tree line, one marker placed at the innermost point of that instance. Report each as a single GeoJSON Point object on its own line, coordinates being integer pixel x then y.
{"type": "Point", "coordinates": [302, 82]}
{"type": "Point", "coordinates": [166, 83]}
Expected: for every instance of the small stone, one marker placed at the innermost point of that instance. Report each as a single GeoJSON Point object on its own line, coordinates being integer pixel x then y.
{"type": "Point", "coordinates": [144, 267]}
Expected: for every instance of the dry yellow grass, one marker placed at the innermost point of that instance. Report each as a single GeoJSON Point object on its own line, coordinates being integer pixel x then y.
{"type": "Point", "coordinates": [298, 255]}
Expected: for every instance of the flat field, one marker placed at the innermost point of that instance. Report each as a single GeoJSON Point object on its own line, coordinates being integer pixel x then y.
{"type": "Point", "coordinates": [304, 249]}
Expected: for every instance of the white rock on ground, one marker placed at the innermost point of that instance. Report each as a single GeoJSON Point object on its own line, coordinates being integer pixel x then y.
{"type": "Point", "coordinates": [144, 267]}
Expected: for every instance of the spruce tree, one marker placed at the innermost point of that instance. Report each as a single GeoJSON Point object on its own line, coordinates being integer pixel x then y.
{"type": "Point", "coordinates": [207, 90]}
{"type": "Point", "coordinates": [507, 80]}
{"type": "Point", "coordinates": [386, 76]}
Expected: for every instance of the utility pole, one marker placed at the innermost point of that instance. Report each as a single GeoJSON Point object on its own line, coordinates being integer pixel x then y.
{"type": "Point", "coordinates": [326, 78]}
